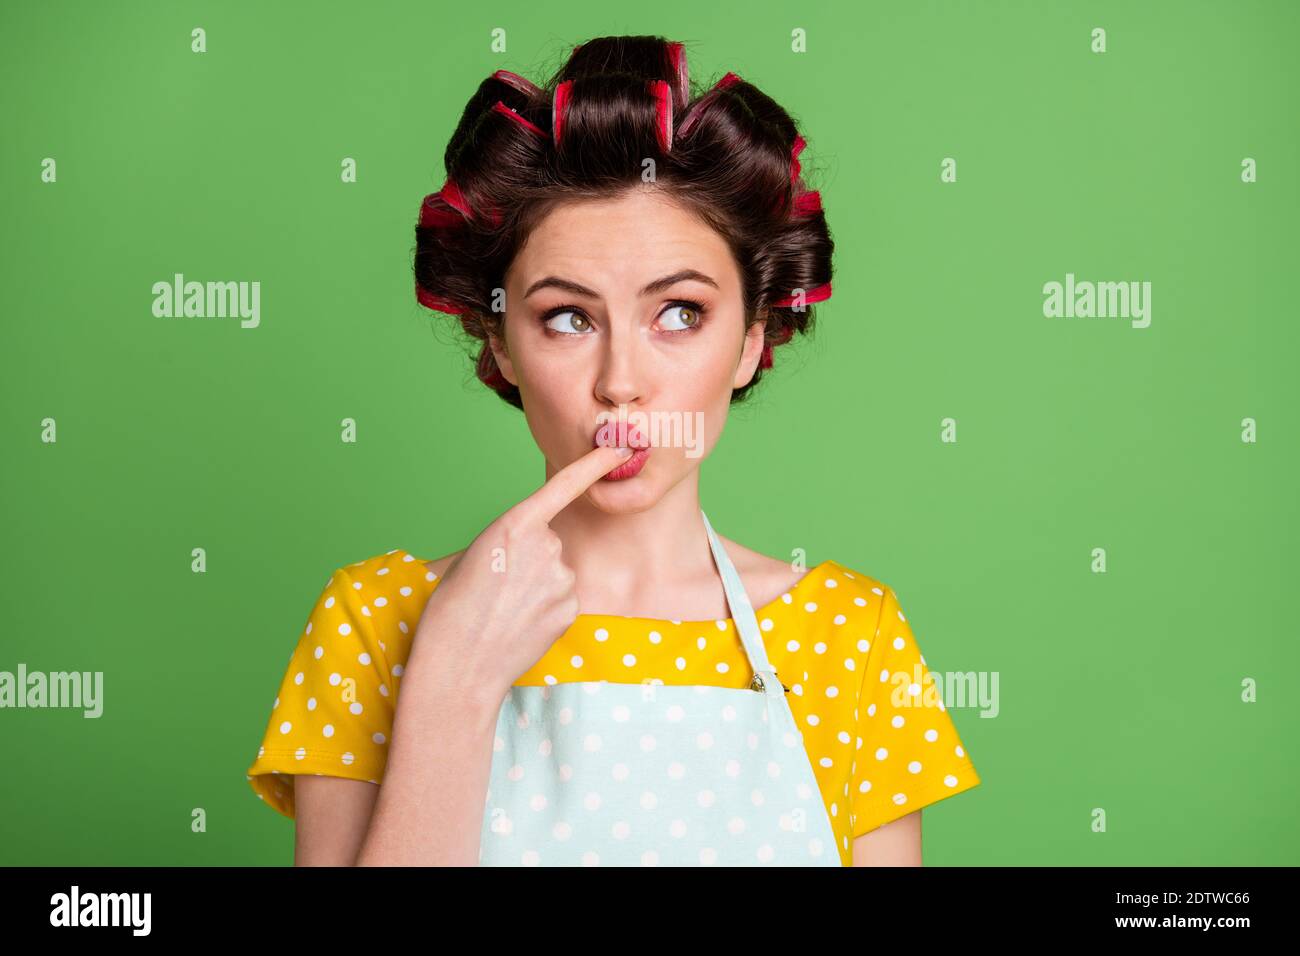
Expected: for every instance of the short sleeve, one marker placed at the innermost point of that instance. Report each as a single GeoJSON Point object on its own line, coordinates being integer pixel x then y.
{"type": "Point", "coordinates": [908, 754]}
{"type": "Point", "coordinates": [334, 711]}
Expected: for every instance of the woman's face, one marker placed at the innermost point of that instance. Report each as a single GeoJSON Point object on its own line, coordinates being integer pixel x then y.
{"type": "Point", "coordinates": [633, 304]}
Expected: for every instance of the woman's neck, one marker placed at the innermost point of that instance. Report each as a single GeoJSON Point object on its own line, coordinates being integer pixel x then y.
{"type": "Point", "coordinates": [645, 563]}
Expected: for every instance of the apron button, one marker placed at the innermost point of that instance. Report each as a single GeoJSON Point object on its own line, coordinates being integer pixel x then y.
{"type": "Point", "coordinates": [757, 684]}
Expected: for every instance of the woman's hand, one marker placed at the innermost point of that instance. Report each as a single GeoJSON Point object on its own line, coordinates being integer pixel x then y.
{"type": "Point", "coordinates": [509, 595]}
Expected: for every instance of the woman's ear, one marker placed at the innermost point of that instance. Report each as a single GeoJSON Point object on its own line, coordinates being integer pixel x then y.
{"type": "Point", "coordinates": [502, 356]}
{"type": "Point", "coordinates": [751, 353]}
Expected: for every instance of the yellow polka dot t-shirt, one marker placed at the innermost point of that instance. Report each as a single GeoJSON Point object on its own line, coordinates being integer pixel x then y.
{"type": "Point", "coordinates": [879, 738]}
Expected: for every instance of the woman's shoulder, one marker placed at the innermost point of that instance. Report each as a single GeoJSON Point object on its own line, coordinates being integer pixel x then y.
{"type": "Point", "coordinates": [812, 599]}
{"type": "Point", "coordinates": [837, 591]}
{"type": "Point", "coordinates": [383, 591]}
{"type": "Point", "coordinates": [397, 564]}
{"type": "Point", "coordinates": [790, 579]}
{"type": "Point", "coordinates": [858, 582]}
{"type": "Point", "coordinates": [830, 588]}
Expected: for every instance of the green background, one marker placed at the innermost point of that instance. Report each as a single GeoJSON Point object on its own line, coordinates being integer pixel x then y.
{"type": "Point", "coordinates": [1119, 690]}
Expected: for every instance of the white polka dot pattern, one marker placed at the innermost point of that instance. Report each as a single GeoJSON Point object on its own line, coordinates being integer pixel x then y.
{"type": "Point", "coordinates": [918, 758]}
{"type": "Point", "coordinates": [832, 658]}
{"type": "Point", "coordinates": [720, 778]}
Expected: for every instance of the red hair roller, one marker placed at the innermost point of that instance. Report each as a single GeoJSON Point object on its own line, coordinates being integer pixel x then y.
{"type": "Point", "coordinates": [799, 144]}
{"type": "Point", "coordinates": [488, 372]}
{"type": "Point", "coordinates": [527, 87]}
{"type": "Point", "coordinates": [677, 60]}
{"type": "Point", "coordinates": [437, 303]}
{"type": "Point", "coordinates": [434, 214]}
{"type": "Point", "coordinates": [703, 103]}
{"type": "Point", "coordinates": [806, 204]}
{"type": "Point", "coordinates": [816, 294]}
{"type": "Point", "coordinates": [500, 107]}
{"type": "Point", "coordinates": [765, 359]}
{"type": "Point", "coordinates": [559, 104]}
{"type": "Point", "coordinates": [454, 198]}
{"type": "Point", "coordinates": [663, 96]}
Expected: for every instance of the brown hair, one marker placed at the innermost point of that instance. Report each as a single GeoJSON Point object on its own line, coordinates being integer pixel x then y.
{"type": "Point", "coordinates": [730, 154]}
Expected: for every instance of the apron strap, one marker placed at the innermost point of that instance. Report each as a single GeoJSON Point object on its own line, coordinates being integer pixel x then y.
{"type": "Point", "coordinates": [742, 612]}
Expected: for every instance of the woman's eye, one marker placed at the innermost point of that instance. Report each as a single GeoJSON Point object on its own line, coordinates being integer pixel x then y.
{"type": "Point", "coordinates": [687, 314]}
{"type": "Point", "coordinates": [569, 322]}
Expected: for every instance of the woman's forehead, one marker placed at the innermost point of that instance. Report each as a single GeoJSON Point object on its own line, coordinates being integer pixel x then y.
{"type": "Point", "coordinates": [624, 244]}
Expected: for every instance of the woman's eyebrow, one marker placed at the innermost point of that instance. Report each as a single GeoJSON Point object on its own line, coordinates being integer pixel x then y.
{"type": "Point", "coordinates": [658, 285]}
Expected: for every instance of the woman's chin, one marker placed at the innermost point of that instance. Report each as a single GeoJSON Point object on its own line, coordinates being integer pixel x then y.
{"type": "Point", "coordinates": [628, 496]}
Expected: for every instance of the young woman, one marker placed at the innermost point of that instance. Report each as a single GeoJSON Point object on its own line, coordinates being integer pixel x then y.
{"type": "Point", "coordinates": [575, 687]}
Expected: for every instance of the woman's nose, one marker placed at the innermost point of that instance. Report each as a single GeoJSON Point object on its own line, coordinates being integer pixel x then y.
{"type": "Point", "coordinates": [622, 371]}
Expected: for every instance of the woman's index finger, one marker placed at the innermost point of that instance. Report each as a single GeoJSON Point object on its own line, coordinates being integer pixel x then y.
{"type": "Point", "coordinates": [570, 482]}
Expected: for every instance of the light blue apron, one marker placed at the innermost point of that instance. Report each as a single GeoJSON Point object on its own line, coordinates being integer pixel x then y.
{"type": "Point", "coordinates": [604, 774]}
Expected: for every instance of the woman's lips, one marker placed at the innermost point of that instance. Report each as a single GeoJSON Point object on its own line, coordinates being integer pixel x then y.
{"type": "Point", "coordinates": [630, 467]}
{"type": "Point", "coordinates": [613, 434]}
